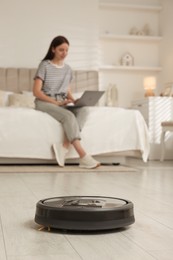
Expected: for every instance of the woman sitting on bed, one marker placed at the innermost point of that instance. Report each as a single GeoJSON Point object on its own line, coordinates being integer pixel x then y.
{"type": "Point", "coordinates": [52, 92]}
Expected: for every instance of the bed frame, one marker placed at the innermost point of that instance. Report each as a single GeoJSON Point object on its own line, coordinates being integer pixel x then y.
{"type": "Point", "coordinates": [21, 79]}
{"type": "Point", "coordinates": [112, 158]}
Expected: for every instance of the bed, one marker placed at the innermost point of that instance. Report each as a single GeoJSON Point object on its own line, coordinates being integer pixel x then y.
{"type": "Point", "coordinates": [27, 136]}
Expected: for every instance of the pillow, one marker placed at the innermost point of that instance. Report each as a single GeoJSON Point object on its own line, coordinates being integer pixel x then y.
{"type": "Point", "coordinates": [28, 93]}
{"type": "Point", "coordinates": [4, 98]}
{"type": "Point", "coordinates": [20, 100]}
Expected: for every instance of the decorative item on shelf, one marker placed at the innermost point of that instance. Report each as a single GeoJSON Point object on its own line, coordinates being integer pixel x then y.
{"type": "Point", "coordinates": [134, 31]}
{"type": "Point", "coordinates": [167, 90]}
{"type": "Point", "coordinates": [149, 85]}
{"type": "Point", "coordinates": [111, 96]}
{"type": "Point", "coordinates": [146, 30]}
{"type": "Point", "coordinates": [127, 59]}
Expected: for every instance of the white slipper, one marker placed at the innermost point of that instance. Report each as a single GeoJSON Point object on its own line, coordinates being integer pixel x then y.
{"type": "Point", "coordinates": [88, 162]}
{"type": "Point", "coordinates": [60, 153]}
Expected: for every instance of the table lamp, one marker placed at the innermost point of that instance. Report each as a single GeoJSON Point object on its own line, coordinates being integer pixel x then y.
{"type": "Point", "coordinates": [149, 84]}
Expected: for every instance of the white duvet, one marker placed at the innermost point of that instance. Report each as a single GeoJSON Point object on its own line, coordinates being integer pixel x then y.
{"type": "Point", "coordinates": [27, 133]}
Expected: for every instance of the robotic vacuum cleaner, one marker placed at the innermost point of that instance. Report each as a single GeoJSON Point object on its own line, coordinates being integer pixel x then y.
{"type": "Point", "coordinates": [84, 213]}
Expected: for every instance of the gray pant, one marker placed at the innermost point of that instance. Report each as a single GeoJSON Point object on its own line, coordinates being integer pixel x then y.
{"type": "Point", "coordinates": [64, 116]}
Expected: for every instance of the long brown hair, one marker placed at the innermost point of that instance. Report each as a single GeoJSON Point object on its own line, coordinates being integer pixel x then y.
{"type": "Point", "coordinates": [55, 42]}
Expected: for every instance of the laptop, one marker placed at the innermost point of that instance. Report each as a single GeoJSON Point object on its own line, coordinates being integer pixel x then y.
{"type": "Point", "coordinates": [89, 98]}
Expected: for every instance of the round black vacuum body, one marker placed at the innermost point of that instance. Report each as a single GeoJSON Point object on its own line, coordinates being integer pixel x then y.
{"type": "Point", "coordinates": [84, 213]}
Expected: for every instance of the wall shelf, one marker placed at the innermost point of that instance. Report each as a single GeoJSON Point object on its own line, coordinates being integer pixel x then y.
{"type": "Point", "coordinates": [129, 68]}
{"type": "Point", "coordinates": [117, 19]}
{"type": "Point", "coordinates": [110, 36]}
{"type": "Point", "coordinates": [155, 8]}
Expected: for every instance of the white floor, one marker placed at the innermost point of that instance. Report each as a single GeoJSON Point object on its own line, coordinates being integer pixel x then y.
{"type": "Point", "coordinates": [150, 237]}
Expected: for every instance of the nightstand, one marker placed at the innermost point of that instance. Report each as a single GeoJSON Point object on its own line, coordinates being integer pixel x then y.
{"type": "Point", "coordinates": [155, 110]}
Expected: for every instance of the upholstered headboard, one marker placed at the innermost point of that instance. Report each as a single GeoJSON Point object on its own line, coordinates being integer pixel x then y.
{"type": "Point", "coordinates": [20, 79]}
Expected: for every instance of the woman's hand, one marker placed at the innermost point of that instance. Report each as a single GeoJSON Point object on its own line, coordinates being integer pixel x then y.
{"type": "Point", "coordinates": [63, 102]}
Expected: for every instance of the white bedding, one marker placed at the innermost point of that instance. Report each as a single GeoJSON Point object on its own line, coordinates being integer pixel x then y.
{"type": "Point", "coordinates": [27, 133]}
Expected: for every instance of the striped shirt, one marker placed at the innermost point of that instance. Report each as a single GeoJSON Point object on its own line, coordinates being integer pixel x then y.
{"type": "Point", "coordinates": [55, 79]}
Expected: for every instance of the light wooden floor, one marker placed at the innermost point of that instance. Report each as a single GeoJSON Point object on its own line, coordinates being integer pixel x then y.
{"type": "Point", "coordinates": [150, 237]}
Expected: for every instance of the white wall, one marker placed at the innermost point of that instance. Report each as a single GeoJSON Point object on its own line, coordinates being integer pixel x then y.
{"type": "Point", "coordinates": [166, 53]}
{"type": "Point", "coordinates": [28, 26]}
{"type": "Point", "coordinates": [119, 21]}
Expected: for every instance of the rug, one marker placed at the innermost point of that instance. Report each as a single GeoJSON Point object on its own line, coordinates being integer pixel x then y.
{"type": "Point", "coordinates": [67, 168]}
